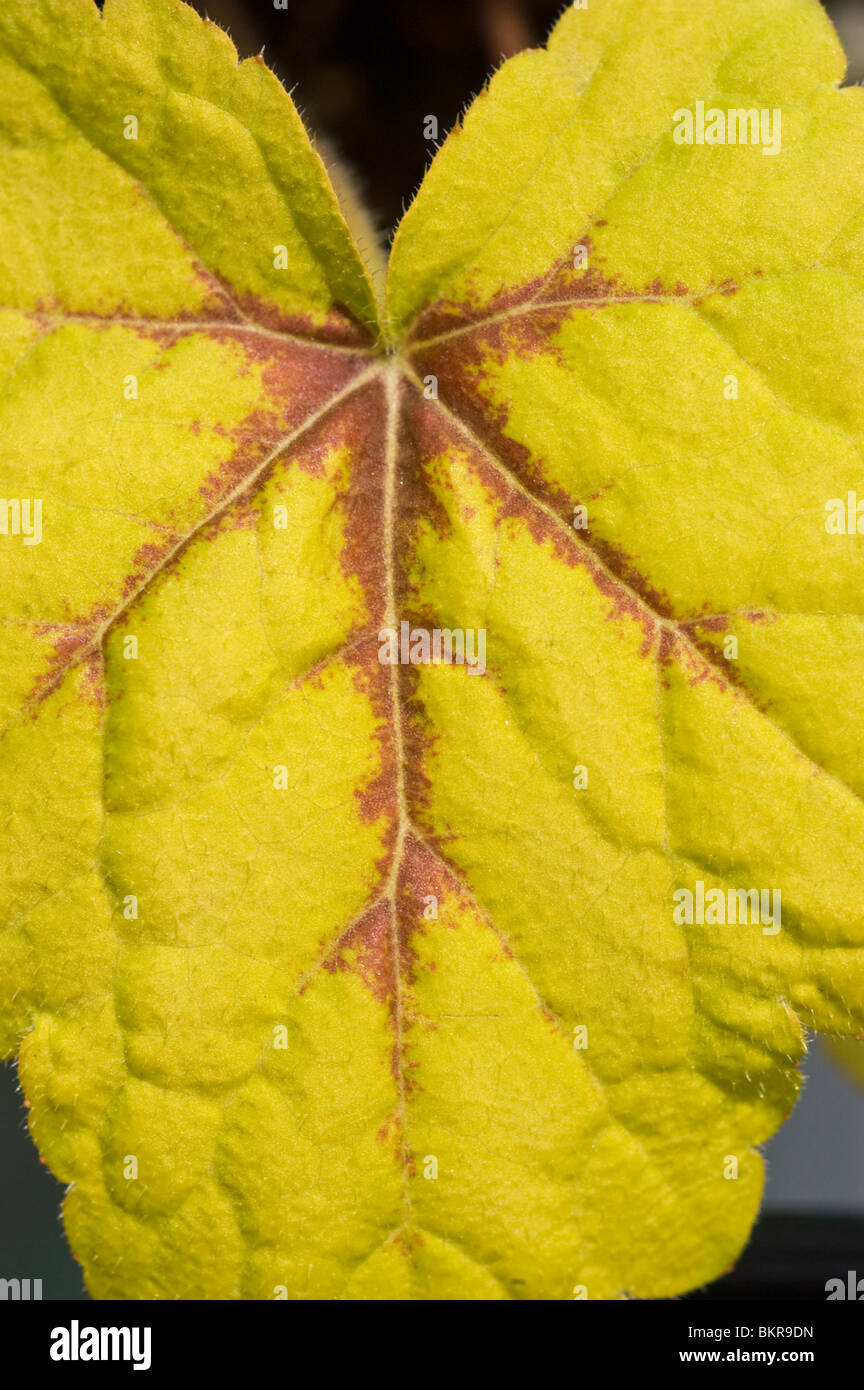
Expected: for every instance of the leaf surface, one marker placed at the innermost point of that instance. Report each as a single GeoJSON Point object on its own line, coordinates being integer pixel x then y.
{"type": "Point", "coordinates": [299, 945]}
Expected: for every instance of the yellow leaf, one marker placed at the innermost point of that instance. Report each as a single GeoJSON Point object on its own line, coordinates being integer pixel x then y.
{"type": "Point", "coordinates": [430, 780]}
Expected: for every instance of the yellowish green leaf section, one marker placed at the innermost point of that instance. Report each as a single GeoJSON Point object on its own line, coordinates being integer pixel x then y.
{"type": "Point", "coordinates": [143, 167]}
{"type": "Point", "coordinates": [332, 978]}
{"type": "Point", "coordinates": [565, 137]}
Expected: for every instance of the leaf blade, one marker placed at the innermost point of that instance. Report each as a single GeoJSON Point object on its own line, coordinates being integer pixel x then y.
{"type": "Point", "coordinates": [223, 958]}
{"type": "Point", "coordinates": [208, 129]}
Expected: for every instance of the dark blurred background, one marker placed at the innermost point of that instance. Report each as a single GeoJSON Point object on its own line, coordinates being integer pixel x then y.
{"type": "Point", "coordinates": [366, 76]}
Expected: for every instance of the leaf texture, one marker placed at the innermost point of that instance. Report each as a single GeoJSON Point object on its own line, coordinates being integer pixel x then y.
{"type": "Point", "coordinates": [300, 948]}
